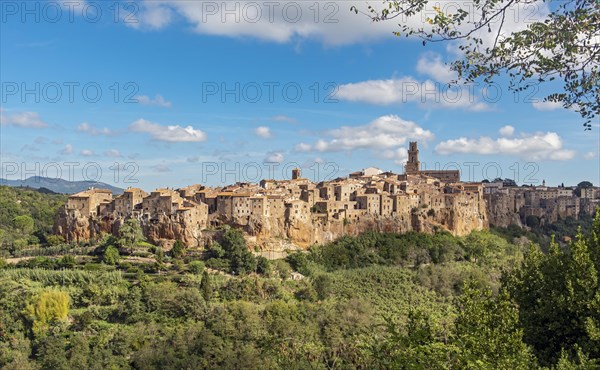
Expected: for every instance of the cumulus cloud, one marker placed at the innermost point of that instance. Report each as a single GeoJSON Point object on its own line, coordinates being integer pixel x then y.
{"type": "Point", "coordinates": [153, 16]}
{"type": "Point", "coordinates": [278, 22]}
{"type": "Point", "coordinates": [89, 129]}
{"type": "Point", "coordinates": [87, 153]}
{"type": "Point", "coordinates": [158, 101]}
{"type": "Point", "coordinates": [274, 157]}
{"type": "Point", "coordinates": [263, 132]}
{"type": "Point", "coordinates": [428, 94]}
{"type": "Point", "coordinates": [174, 133]}
{"type": "Point", "coordinates": [332, 22]}
{"type": "Point", "coordinates": [399, 156]}
{"type": "Point", "coordinates": [386, 137]}
{"type": "Point", "coordinates": [530, 146]}
{"type": "Point", "coordinates": [302, 147]}
{"type": "Point", "coordinates": [546, 105]}
{"type": "Point", "coordinates": [590, 155]}
{"type": "Point", "coordinates": [68, 149]}
{"type": "Point", "coordinates": [507, 131]}
{"type": "Point", "coordinates": [21, 119]}
{"type": "Point", "coordinates": [431, 64]}
{"type": "Point", "coordinates": [385, 132]}
{"type": "Point", "coordinates": [113, 153]}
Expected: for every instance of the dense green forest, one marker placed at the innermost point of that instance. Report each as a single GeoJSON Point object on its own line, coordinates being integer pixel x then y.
{"type": "Point", "coordinates": [26, 218]}
{"type": "Point", "coordinates": [490, 300]}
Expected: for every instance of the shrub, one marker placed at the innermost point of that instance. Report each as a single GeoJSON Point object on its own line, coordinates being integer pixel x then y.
{"type": "Point", "coordinates": [196, 267]}
{"type": "Point", "coordinates": [111, 255]}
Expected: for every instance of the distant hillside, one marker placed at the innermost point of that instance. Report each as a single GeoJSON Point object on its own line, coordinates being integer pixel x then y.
{"type": "Point", "coordinates": [59, 185]}
{"type": "Point", "coordinates": [27, 216]}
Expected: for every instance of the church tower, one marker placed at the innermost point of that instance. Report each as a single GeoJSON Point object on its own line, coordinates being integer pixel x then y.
{"type": "Point", "coordinates": [413, 166]}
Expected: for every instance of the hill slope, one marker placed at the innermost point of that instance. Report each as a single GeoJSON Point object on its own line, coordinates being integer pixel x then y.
{"type": "Point", "coordinates": [59, 185]}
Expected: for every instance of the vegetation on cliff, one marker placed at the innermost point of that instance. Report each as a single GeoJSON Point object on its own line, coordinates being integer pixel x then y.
{"type": "Point", "coordinates": [489, 300]}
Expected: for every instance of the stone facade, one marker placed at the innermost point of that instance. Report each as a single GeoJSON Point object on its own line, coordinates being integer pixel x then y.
{"type": "Point", "coordinates": [297, 210]}
{"type": "Point", "coordinates": [287, 212]}
{"type": "Point", "coordinates": [413, 167]}
{"type": "Point", "coordinates": [512, 204]}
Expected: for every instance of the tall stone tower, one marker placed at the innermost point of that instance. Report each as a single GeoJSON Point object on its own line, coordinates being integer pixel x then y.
{"type": "Point", "coordinates": [296, 173]}
{"type": "Point", "coordinates": [413, 166]}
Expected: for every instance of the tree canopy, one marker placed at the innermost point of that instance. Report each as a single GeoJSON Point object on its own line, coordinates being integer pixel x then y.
{"type": "Point", "coordinates": [533, 41]}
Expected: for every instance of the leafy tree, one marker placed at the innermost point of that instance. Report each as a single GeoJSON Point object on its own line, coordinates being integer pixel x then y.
{"type": "Point", "coordinates": [67, 261]}
{"type": "Point", "coordinates": [323, 285]}
{"type": "Point", "coordinates": [196, 267]}
{"type": "Point", "coordinates": [206, 286]}
{"type": "Point", "coordinates": [24, 224]}
{"type": "Point", "coordinates": [111, 255]}
{"type": "Point", "coordinates": [215, 250]}
{"type": "Point", "coordinates": [159, 255]}
{"type": "Point", "coordinates": [49, 307]}
{"type": "Point", "coordinates": [561, 288]}
{"type": "Point", "coordinates": [241, 259]}
{"type": "Point", "coordinates": [532, 221]}
{"type": "Point", "coordinates": [582, 185]}
{"type": "Point", "coordinates": [558, 46]}
{"type": "Point", "coordinates": [263, 266]}
{"type": "Point", "coordinates": [54, 240]}
{"type": "Point", "coordinates": [178, 248]}
{"type": "Point", "coordinates": [130, 234]}
{"type": "Point", "coordinates": [488, 332]}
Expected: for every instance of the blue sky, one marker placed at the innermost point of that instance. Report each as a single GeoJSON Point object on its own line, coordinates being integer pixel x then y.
{"type": "Point", "coordinates": [167, 94]}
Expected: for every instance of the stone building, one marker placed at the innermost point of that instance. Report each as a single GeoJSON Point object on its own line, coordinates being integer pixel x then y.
{"type": "Point", "coordinates": [413, 167]}
{"type": "Point", "coordinates": [88, 201]}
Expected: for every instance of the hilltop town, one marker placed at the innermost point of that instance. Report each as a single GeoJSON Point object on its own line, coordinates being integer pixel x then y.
{"type": "Point", "coordinates": [297, 213]}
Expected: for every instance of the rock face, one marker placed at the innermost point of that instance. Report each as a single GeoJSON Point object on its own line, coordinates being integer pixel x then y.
{"type": "Point", "coordinates": [274, 233]}
{"type": "Point", "coordinates": [503, 209]}
{"type": "Point", "coordinates": [282, 214]}
{"type": "Point", "coordinates": [73, 226]}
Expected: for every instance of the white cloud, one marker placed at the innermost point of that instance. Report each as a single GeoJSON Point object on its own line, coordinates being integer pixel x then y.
{"type": "Point", "coordinates": [168, 133]}
{"type": "Point", "coordinates": [21, 119]}
{"type": "Point", "coordinates": [431, 64]}
{"type": "Point", "coordinates": [399, 156]}
{"type": "Point", "coordinates": [385, 132]}
{"type": "Point", "coordinates": [547, 105]}
{"type": "Point", "coordinates": [263, 132]}
{"type": "Point", "coordinates": [302, 147]}
{"type": "Point", "coordinates": [283, 118]}
{"type": "Point", "coordinates": [89, 129]}
{"type": "Point", "coordinates": [590, 155]}
{"type": "Point", "coordinates": [152, 16]}
{"type": "Point", "coordinates": [278, 22]}
{"type": "Point", "coordinates": [68, 149]}
{"type": "Point", "coordinates": [274, 157]}
{"type": "Point", "coordinates": [87, 153]}
{"type": "Point", "coordinates": [507, 131]}
{"type": "Point", "coordinates": [530, 146]}
{"type": "Point", "coordinates": [429, 94]}
{"type": "Point", "coordinates": [158, 100]}
{"type": "Point", "coordinates": [113, 153]}
{"type": "Point", "coordinates": [331, 22]}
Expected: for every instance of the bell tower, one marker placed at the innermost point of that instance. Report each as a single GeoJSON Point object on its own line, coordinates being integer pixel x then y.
{"type": "Point", "coordinates": [413, 166]}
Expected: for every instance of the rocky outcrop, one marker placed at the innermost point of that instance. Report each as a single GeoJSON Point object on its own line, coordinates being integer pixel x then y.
{"type": "Point", "coordinates": [503, 210]}
{"type": "Point", "coordinates": [75, 227]}
{"type": "Point", "coordinates": [277, 233]}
